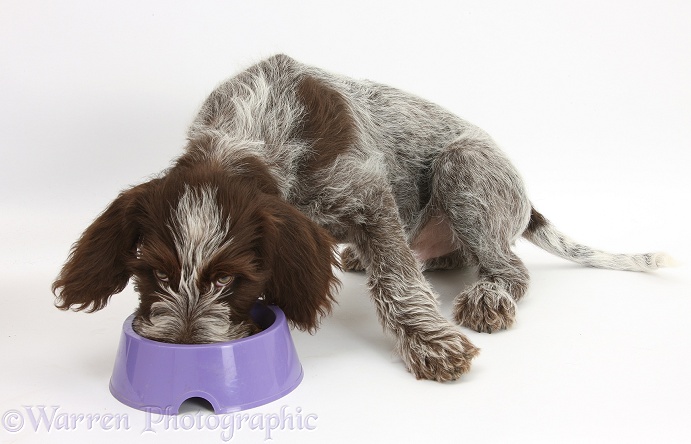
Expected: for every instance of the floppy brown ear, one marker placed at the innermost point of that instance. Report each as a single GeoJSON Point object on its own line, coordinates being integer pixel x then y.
{"type": "Point", "coordinates": [97, 265]}
{"type": "Point", "coordinates": [301, 257]}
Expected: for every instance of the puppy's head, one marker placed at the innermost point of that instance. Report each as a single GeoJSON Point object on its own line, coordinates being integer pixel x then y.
{"type": "Point", "coordinates": [202, 246]}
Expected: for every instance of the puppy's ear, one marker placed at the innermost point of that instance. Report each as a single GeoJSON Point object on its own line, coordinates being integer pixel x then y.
{"type": "Point", "coordinates": [301, 258]}
{"type": "Point", "coordinates": [97, 265]}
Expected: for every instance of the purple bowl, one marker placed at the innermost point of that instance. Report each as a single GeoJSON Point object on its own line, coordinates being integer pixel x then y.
{"type": "Point", "coordinates": [235, 375]}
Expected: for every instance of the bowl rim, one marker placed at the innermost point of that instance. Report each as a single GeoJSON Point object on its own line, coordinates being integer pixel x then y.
{"type": "Point", "coordinates": [279, 319]}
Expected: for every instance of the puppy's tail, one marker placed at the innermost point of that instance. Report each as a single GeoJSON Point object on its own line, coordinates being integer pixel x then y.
{"type": "Point", "coordinates": [543, 234]}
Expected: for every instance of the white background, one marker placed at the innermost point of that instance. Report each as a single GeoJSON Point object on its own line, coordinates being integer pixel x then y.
{"type": "Point", "coordinates": [590, 99]}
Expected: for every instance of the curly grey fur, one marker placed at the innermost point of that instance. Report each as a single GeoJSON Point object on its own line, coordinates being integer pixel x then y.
{"type": "Point", "coordinates": [415, 184]}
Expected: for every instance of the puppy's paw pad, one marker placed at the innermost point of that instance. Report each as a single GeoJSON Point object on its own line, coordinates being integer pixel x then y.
{"type": "Point", "coordinates": [441, 355]}
{"type": "Point", "coordinates": [485, 307]}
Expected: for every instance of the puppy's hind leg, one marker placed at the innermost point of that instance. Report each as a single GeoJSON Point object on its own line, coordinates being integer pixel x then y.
{"type": "Point", "coordinates": [490, 304]}
{"type": "Point", "coordinates": [487, 208]}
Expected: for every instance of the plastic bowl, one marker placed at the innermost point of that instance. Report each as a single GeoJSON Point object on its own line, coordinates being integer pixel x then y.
{"type": "Point", "coordinates": [235, 375]}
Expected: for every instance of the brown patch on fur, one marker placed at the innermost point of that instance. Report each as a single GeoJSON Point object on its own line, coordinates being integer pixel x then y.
{"type": "Point", "coordinates": [328, 123]}
{"type": "Point", "coordinates": [537, 221]}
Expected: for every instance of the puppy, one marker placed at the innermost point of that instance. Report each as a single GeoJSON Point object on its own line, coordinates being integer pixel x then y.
{"type": "Point", "coordinates": [283, 162]}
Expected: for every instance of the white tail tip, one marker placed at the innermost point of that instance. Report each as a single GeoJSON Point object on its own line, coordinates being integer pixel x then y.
{"type": "Point", "coordinates": [665, 260]}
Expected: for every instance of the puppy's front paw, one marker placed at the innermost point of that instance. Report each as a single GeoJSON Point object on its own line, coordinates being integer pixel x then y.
{"type": "Point", "coordinates": [485, 307]}
{"type": "Point", "coordinates": [440, 355]}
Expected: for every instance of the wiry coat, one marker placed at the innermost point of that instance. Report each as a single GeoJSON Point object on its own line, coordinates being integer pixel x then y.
{"type": "Point", "coordinates": [283, 162]}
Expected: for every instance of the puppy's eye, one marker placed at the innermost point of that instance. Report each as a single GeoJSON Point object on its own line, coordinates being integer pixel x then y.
{"type": "Point", "coordinates": [223, 281]}
{"type": "Point", "coordinates": [161, 276]}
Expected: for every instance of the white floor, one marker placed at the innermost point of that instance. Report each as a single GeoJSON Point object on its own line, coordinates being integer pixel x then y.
{"type": "Point", "coordinates": [591, 101]}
